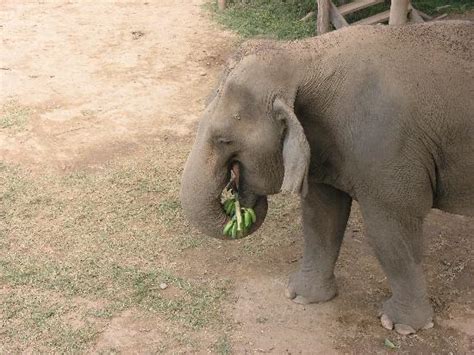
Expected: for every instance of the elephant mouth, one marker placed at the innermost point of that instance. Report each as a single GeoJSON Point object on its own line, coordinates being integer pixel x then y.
{"type": "Point", "coordinates": [247, 199]}
{"type": "Point", "coordinates": [201, 200]}
{"type": "Point", "coordinates": [260, 207]}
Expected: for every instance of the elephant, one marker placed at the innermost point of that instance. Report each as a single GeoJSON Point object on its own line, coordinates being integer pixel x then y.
{"type": "Point", "coordinates": [382, 115]}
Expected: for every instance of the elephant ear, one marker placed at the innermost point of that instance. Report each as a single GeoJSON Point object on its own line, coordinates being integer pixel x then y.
{"type": "Point", "coordinates": [296, 152]}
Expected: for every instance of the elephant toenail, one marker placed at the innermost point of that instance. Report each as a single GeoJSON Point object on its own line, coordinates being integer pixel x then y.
{"type": "Point", "coordinates": [386, 322]}
{"type": "Point", "coordinates": [300, 300]}
{"type": "Point", "coordinates": [428, 325]}
{"type": "Point", "coordinates": [404, 329]}
{"type": "Point", "coordinates": [290, 294]}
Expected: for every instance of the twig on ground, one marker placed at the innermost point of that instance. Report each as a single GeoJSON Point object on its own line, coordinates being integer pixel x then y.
{"type": "Point", "coordinates": [308, 16]}
{"type": "Point", "coordinates": [440, 17]}
{"type": "Point", "coordinates": [442, 7]}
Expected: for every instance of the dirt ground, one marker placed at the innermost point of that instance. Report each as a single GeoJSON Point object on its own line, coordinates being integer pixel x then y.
{"type": "Point", "coordinates": [99, 104]}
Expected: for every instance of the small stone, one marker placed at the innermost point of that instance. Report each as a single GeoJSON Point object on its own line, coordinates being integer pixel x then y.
{"type": "Point", "coordinates": [163, 286]}
{"type": "Point", "coordinates": [203, 74]}
{"type": "Point", "coordinates": [137, 34]}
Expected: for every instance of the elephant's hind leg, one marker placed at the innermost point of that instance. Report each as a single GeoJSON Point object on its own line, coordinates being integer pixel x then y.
{"type": "Point", "coordinates": [460, 202]}
{"type": "Point", "coordinates": [325, 214]}
{"type": "Point", "coordinates": [455, 183]}
{"type": "Point", "coordinates": [396, 236]}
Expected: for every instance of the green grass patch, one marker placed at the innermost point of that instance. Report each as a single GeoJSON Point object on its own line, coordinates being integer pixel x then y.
{"type": "Point", "coordinates": [281, 19]}
{"type": "Point", "coordinates": [274, 19]}
{"type": "Point", "coordinates": [430, 6]}
{"type": "Point", "coordinates": [13, 115]}
{"type": "Point", "coordinates": [110, 237]}
{"type": "Point", "coordinates": [223, 346]}
{"type": "Point", "coordinates": [33, 317]}
{"type": "Point", "coordinates": [193, 305]}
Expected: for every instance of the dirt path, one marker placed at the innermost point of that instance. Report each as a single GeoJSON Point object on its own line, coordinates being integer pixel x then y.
{"type": "Point", "coordinates": [106, 80]}
{"type": "Point", "coordinates": [113, 91]}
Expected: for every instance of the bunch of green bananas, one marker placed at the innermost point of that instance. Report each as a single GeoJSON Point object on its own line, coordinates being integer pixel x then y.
{"type": "Point", "coordinates": [242, 218]}
{"type": "Point", "coordinates": [229, 206]}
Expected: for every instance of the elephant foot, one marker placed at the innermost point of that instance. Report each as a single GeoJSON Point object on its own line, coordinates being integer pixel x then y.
{"type": "Point", "coordinates": [402, 329]}
{"type": "Point", "coordinates": [307, 287]}
{"type": "Point", "coordinates": [406, 320]}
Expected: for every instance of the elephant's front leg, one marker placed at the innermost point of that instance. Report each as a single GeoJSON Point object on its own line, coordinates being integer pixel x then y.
{"type": "Point", "coordinates": [325, 214]}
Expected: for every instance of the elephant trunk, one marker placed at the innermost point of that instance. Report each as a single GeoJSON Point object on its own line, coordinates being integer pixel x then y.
{"type": "Point", "coordinates": [203, 181]}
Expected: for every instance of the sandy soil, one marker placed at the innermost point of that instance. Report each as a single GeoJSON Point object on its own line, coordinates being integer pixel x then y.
{"type": "Point", "coordinates": [109, 78]}
{"type": "Point", "coordinates": [105, 80]}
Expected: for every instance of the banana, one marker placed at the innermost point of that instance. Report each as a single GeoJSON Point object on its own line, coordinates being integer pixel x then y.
{"type": "Point", "coordinates": [227, 204]}
{"type": "Point", "coordinates": [228, 227]}
{"type": "Point", "coordinates": [230, 207]}
{"type": "Point", "coordinates": [234, 230]}
{"type": "Point", "coordinates": [252, 214]}
{"type": "Point", "coordinates": [247, 219]}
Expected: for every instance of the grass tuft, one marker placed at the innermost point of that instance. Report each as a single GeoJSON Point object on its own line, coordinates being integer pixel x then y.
{"type": "Point", "coordinates": [13, 115]}
{"type": "Point", "coordinates": [223, 346]}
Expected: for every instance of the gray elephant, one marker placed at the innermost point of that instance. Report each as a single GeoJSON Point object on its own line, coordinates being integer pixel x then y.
{"type": "Point", "coordinates": [378, 114]}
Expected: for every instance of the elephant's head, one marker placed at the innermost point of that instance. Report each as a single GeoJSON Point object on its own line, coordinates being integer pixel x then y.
{"type": "Point", "coordinates": [249, 120]}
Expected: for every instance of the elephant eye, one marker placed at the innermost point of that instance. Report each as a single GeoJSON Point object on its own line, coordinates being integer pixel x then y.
{"type": "Point", "coordinates": [223, 141]}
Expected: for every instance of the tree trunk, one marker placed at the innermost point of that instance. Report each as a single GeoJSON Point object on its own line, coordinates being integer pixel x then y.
{"type": "Point", "coordinates": [221, 4]}
{"type": "Point", "coordinates": [399, 12]}
{"type": "Point", "coordinates": [322, 23]}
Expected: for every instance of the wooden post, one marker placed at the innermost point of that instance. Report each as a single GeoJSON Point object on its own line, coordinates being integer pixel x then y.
{"type": "Point", "coordinates": [322, 23]}
{"type": "Point", "coordinates": [414, 16]}
{"type": "Point", "coordinates": [221, 5]}
{"type": "Point", "coordinates": [399, 12]}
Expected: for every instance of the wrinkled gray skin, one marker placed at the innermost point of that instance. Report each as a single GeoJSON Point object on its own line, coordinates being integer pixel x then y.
{"type": "Point", "coordinates": [381, 115]}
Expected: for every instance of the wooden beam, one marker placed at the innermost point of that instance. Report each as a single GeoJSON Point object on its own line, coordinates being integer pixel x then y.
{"type": "Point", "coordinates": [399, 12]}
{"type": "Point", "coordinates": [372, 20]}
{"type": "Point", "coordinates": [336, 18]}
{"type": "Point", "coordinates": [356, 6]}
{"type": "Point", "coordinates": [323, 20]}
{"type": "Point", "coordinates": [440, 17]}
{"type": "Point", "coordinates": [424, 16]}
